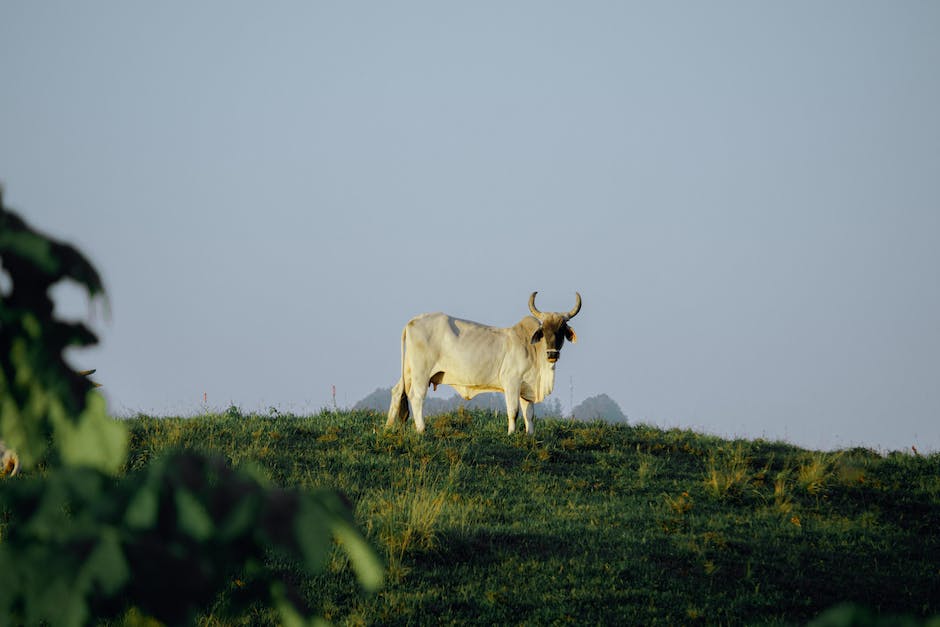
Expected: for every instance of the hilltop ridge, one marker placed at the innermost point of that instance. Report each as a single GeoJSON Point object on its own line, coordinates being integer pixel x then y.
{"type": "Point", "coordinates": [594, 522]}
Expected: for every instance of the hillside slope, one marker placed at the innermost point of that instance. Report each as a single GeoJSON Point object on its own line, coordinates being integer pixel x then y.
{"type": "Point", "coordinates": [594, 523]}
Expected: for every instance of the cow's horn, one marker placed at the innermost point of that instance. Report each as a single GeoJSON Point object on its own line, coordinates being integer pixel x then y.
{"type": "Point", "coordinates": [532, 308]}
{"type": "Point", "coordinates": [577, 307]}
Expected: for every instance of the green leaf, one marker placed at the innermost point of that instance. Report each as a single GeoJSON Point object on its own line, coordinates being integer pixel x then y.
{"type": "Point", "coordinates": [240, 519]}
{"type": "Point", "coordinates": [24, 437]}
{"type": "Point", "coordinates": [312, 528]}
{"type": "Point", "coordinates": [56, 260]}
{"type": "Point", "coordinates": [142, 510]}
{"type": "Point", "coordinates": [107, 564]}
{"type": "Point", "coordinates": [11, 580]}
{"type": "Point", "coordinates": [365, 562]}
{"type": "Point", "coordinates": [53, 600]}
{"type": "Point", "coordinates": [30, 246]}
{"type": "Point", "coordinates": [192, 516]}
{"type": "Point", "coordinates": [93, 440]}
{"type": "Point", "coordinates": [290, 617]}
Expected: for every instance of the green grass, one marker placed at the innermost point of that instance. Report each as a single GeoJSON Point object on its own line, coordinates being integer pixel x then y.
{"type": "Point", "coordinates": [592, 523]}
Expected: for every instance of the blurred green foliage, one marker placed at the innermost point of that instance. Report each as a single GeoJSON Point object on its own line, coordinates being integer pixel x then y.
{"type": "Point", "coordinates": [41, 398]}
{"type": "Point", "coordinates": [77, 543]}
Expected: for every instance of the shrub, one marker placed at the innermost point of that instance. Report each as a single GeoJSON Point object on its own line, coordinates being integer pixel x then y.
{"type": "Point", "coordinates": [78, 543]}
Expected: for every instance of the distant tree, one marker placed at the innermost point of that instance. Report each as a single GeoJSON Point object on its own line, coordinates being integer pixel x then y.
{"type": "Point", "coordinates": [497, 402]}
{"type": "Point", "coordinates": [380, 399]}
{"type": "Point", "coordinates": [550, 407]}
{"type": "Point", "coordinates": [600, 406]}
{"type": "Point", "coordinates": [490, 401]}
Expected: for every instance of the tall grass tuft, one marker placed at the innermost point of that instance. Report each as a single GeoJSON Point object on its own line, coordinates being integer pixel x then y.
{"type": "Point", "coordinates": [728, 472]}
{"type": "Point", "coordinates": [816, 473]}
{"type": "Point", "coordinates": [648, 467]}
{"type": "Point", "coordinates": [783, 499]}
{"type": "Point", "coordinates": [407, 516]}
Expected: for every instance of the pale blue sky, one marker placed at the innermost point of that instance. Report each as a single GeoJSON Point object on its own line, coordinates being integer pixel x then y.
{"type": "Point", "coordinates": [746, 194]}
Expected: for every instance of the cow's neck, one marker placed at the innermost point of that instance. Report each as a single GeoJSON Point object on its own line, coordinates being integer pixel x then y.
{"type": "Point", "coordinates": [546, 378]}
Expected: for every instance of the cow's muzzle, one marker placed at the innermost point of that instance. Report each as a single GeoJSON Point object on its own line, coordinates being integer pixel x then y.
{"type": "Point", "coordinates": [553, 356]}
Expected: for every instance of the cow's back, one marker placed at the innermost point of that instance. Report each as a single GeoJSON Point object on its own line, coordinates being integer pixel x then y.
{"type": "Point", "coordinates": [467, 350]}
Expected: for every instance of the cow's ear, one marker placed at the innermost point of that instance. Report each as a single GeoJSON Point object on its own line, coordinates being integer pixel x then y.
{"type": "Point", "coordinates": [571, 335]}
{"type": "Point", "coordinates": [537, 336]}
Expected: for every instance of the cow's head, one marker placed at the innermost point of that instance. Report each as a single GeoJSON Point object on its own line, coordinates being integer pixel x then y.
{"type": "Point", "coordinates": [554, 328]}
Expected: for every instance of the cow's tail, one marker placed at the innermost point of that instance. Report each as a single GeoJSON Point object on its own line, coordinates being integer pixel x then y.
{"type": "Point", "coordinates": [398, 409]}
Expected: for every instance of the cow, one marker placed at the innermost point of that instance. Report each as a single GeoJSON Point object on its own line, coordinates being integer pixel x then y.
{"type": "Point", "coordinates": [9, 461]}
{"type": "Point", "coordinates": [473, 358]}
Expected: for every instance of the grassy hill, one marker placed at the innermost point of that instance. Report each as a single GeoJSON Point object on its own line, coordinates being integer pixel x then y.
{"type": "Point", "coordinates": [592, 523]}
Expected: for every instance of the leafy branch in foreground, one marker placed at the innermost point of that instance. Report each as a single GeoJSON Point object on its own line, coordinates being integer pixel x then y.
{"type": "Point", "coordinates": [167, 540]}
{"type": "Point", "coordinates": [40, 396]}
{"type": "Point", "coordinates": [78, 544]}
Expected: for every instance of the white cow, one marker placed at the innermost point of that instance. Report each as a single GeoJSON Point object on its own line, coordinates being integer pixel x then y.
{"type": "Point", "coordinates": [473, 358]}
{"type": "Point", "coordinates": [9, 461]}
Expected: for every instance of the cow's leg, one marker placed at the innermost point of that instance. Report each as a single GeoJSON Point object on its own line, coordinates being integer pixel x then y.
{"type": "Point", "coordinates": [528, 414]}
{"type": "Point", "coordinates": [416, 396]}
{"type": "Point", "coordinates": [398, 409]}
{"type": "Point", "coordinates": [512, 408]}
